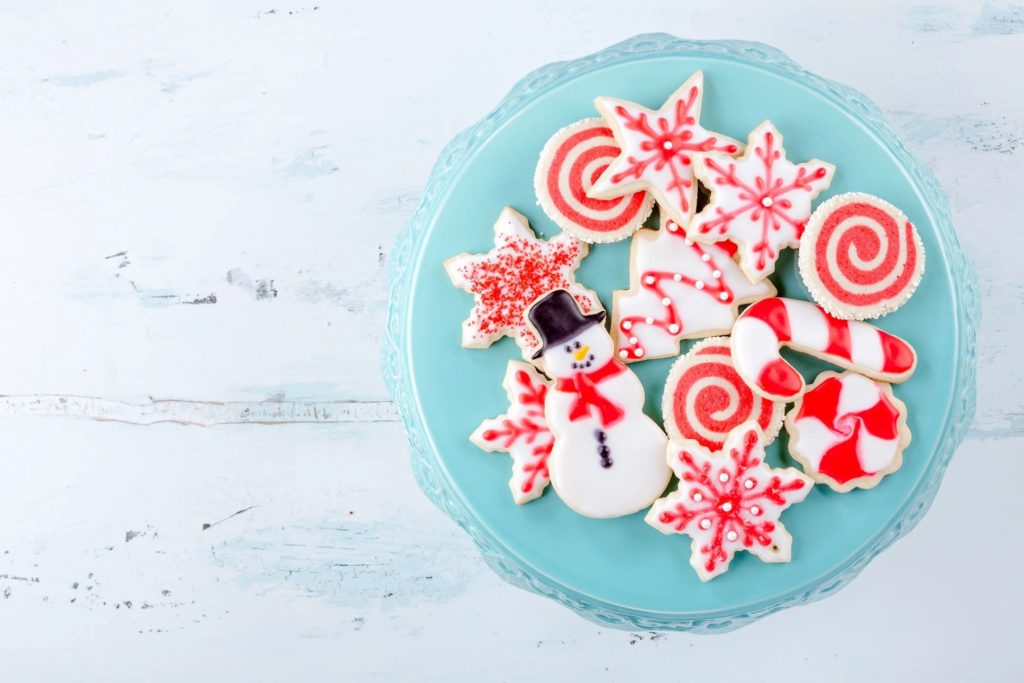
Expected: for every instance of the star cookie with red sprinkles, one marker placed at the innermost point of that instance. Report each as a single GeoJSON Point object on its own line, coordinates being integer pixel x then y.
{"type": "Point", "coordinates": [659, 149]}
{"type": "Point", "coordinates": [761, 200]}
{"type": "Point", "coordinates": [729, 502]}
{"type": "Point", "coordinates": [511, 276]}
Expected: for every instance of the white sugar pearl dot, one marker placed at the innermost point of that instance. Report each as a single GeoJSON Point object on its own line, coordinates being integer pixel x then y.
{"type": "Point", "coordinates": [666, 301]}
{"type": "Point", "coordinates": [705, 257]}
{"type": "Point", "coordinates": [767, 202]}
{"type": "Point", "coordinates": [723, 296]}
{"type": "Point", "coordinates": [678, 277]}
{"type": "Point", "coordinates": [723, 477]}
{"type": "Point", "coordinates": [716, 273]}
{"type": "Point", "coordinates": [667, 144]}
{"type": "Point", "coordinates": [688, 242]}
{"type": "Point", "coordinates": [671, 226]}
{"type": "Point", "coordinates": [673, 328]}
{"type": "Point", "coordinates": [697, 496]}
{"type": "Point", "coordinates": [650, 279]}
{"type": "Point", "coordinates": [623, 354]}
{"type": "Point", "coordinates": [699, 284]}
{"type": "Point", "coordinates": [754, 510]}
{"type": "Point", "coordinates": [626, 324]}
{"type": "Point", "coordinates": [638, 353]}
{"type": "Point", "coordinates": [731, 536]}
{"type": "Point", "coordinates": [632, 340]}
{"type": "Point", "coordinates": [749, 483]}
{"type": "Point", "coordinates": [705, 524]}
{"type": "Point", "coordinates": [726, 507]}
{"type": "Point", "coordinates": [650, 320]}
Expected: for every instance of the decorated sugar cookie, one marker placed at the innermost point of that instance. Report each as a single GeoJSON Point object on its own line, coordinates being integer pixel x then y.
{"type": "Point", "coordinates": [608, 458]}
{"type": "Point", "coordinates": [508, 278]}
{"type": "Point", "coordinates": [848, 431]}
{"type": "Point", "coordinates": [761, 200]}
{"type": "Point", "coordinates": [770, 323]}
{"type": "Point", "coordinates": [522, 432]}
{"type": "Point", "coordinates": [659, 149]}
{"type": "Point", "coordinates": [679, 290]}
{"type": "Point", "coordinates": [705, 398]}
{"type": "Point", "coordinates": [860, 257]}
{"type": "Point", "coordinates": [569, 163]}
{"type": "Point", "coordinates": [729, 502]}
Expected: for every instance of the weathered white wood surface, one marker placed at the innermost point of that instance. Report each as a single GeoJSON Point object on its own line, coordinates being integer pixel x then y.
{"type": "Point", "coordinates": [197, 202]}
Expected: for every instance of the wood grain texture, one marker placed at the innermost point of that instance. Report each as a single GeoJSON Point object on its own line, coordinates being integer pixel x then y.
{"type": "Point", "coordinates": [198, 200]}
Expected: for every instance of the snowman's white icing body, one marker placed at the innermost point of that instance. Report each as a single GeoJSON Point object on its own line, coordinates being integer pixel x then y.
{"type": "Point", "coordinates": [634, 472]}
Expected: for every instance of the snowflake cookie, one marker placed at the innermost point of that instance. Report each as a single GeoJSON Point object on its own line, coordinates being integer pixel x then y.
{"type": "Point", "coordinates": [678, 290]}
{"type": "Point", "coordinates": [511, 276]}
{"type": "Point", "coordinates": [522, 432]}
{"type": "Point", "coordinates": [659, 149]}
{"type": "Point", "coordinates": [761, 200]}
{"type": "Point", "coordinates": [848, 431]}
{"type": "Point", "coordinates": [729, 502]}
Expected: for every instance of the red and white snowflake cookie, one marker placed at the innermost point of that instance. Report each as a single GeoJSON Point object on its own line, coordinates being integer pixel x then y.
{"type": "Point", "coordinates": [761, 200]}
{"type": "Point", "coordinates": [848, 431]}
{"type": "Point", "coordinates": [522, 432]}
{"type": "Point", "coordinates": [705, 398]}
{"type": "Point", "coordinates": [511, 276]}
{"type": "Point", "coordinates": [771, 323]}
{"type": "Point", "coordinates": [679, 290]}
{"type": "Point", "coordinates": [569, 163]}
{"type": "Point", "coordinates": [659, 149]}
{"type": "Point", "coordinates": [860, 256]}
{"type": "Point", "coordinates": [729, 502]}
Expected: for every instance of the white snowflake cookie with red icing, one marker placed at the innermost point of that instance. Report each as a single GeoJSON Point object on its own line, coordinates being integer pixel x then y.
{"type": "Point", "coordinates": [522, 432]}
{"type": "Point", "coordinates": [659, 149]}
{"type": "Point", "coordinates": [569, 163]}
{"type": "Point", "coordinates": [608, 458]}
{"type": "Point", "coordinates": [848, 431]}
{"type": "Point", "coordinates": [860, 256]}
{"type": "Point", "coordinates": [729, 502]}
{"type": "Point", "coordinates": [507, 279]}
{"type": "Point", "coordinates": [761, 200]}
{"type": "Point", "coordinates": [678, 290]}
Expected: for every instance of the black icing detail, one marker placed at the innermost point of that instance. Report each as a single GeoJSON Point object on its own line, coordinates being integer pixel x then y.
{"type": "Point", "coordinates": [602, 449]}
{"type": "Point", "coordinates": [557, 318]}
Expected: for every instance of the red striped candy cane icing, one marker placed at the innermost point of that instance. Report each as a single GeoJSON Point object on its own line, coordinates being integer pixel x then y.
{"type": "Point", "coordinates": [771, 323]}
{"type": "Point", "coordinates": [569, 164]}
{"type": "Point", "coordinates": [860, 257]}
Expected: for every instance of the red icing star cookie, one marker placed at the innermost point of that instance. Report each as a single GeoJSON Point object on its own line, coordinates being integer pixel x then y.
{"type": "Point", "coordinates": [510, 277]}
{"type": "Point", "coordinates": [659, 149]}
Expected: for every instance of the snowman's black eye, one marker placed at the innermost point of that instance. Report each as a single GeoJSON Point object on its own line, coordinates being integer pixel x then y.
{"type": "Point", "coordinates": [577, 345]}
{"type": "Point", "coordinates": [568, 349]}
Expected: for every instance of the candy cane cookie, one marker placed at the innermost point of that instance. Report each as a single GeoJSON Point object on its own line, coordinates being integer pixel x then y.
{"type": "Point", "coordinates": [771, 323]}
{"type": "Point", "coordinates": [848, 431]}
{"type": "Point", "coordinates": [860, 257]}
{"type": "Point", "coordinates": [569, 163]}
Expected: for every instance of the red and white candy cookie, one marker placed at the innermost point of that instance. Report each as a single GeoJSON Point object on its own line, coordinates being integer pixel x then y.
{"type": "Point", "coordinates": [860, 257]}
{"type": "Point", "coordinates": [760, 200]}
{"type": "Point", "coordinates": [705, 398]}
{"type": "Point", "coordinates": [727, 503]}
{"type": "Point", "coordinates": [569, 164]}
{"type": "Point", "coordinates": [848, 431]}
{"type": "Point", "coordinates": [659, 148]}
{"type": "Point", "coordinates": [522, 432]}
{"type": "Point", "coordinates": [511, 276]}
{"type": "Point", "coordinates": [678, 290]}
{"type": "Point", "coordinates": [770, 323]}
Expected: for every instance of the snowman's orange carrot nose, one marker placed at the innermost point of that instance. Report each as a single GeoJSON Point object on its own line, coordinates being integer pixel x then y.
{"type": "Point", "coordinates": [582, 353]}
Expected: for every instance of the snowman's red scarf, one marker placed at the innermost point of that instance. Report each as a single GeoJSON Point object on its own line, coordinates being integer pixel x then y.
{"type": "Point", "coordinates": [584, 385]}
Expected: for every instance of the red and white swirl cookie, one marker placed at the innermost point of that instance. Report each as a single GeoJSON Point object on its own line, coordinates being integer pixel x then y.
{"type": "Point", "coordinates": [705, 398]}
{"type": "Point", "coordinates": [569, 164]}
{"type": "Point", "coordinates": [848, 431]}
{"type": "Point", "coordinates": [860, 257]}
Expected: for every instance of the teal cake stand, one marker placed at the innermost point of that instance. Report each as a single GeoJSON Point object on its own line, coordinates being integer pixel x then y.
{"type": "Point", "coordinates": [621, 572]}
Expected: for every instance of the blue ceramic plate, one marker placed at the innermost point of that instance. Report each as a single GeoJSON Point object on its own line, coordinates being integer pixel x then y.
{"type": "Point", "coordinates": [623, 572]}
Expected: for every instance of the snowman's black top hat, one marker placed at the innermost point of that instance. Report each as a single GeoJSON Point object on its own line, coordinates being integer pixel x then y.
{"type": "Point", "coordinates": [557, 319]}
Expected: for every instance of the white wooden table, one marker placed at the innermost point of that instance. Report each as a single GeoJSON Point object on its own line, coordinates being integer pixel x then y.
{"type": "Point", "coordinates": [197, 202]}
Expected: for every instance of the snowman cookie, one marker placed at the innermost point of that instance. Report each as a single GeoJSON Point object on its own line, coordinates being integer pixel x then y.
{"type": "Point", "coordinates": [505, 280]}
{"type": "Point", "coordinates": [608, 458]}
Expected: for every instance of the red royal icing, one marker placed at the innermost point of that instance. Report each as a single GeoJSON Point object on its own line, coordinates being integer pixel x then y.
{"type": "Point", "coordinates": [530, 428]}
{"type": "Point", "coordinates": [589, 398]}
